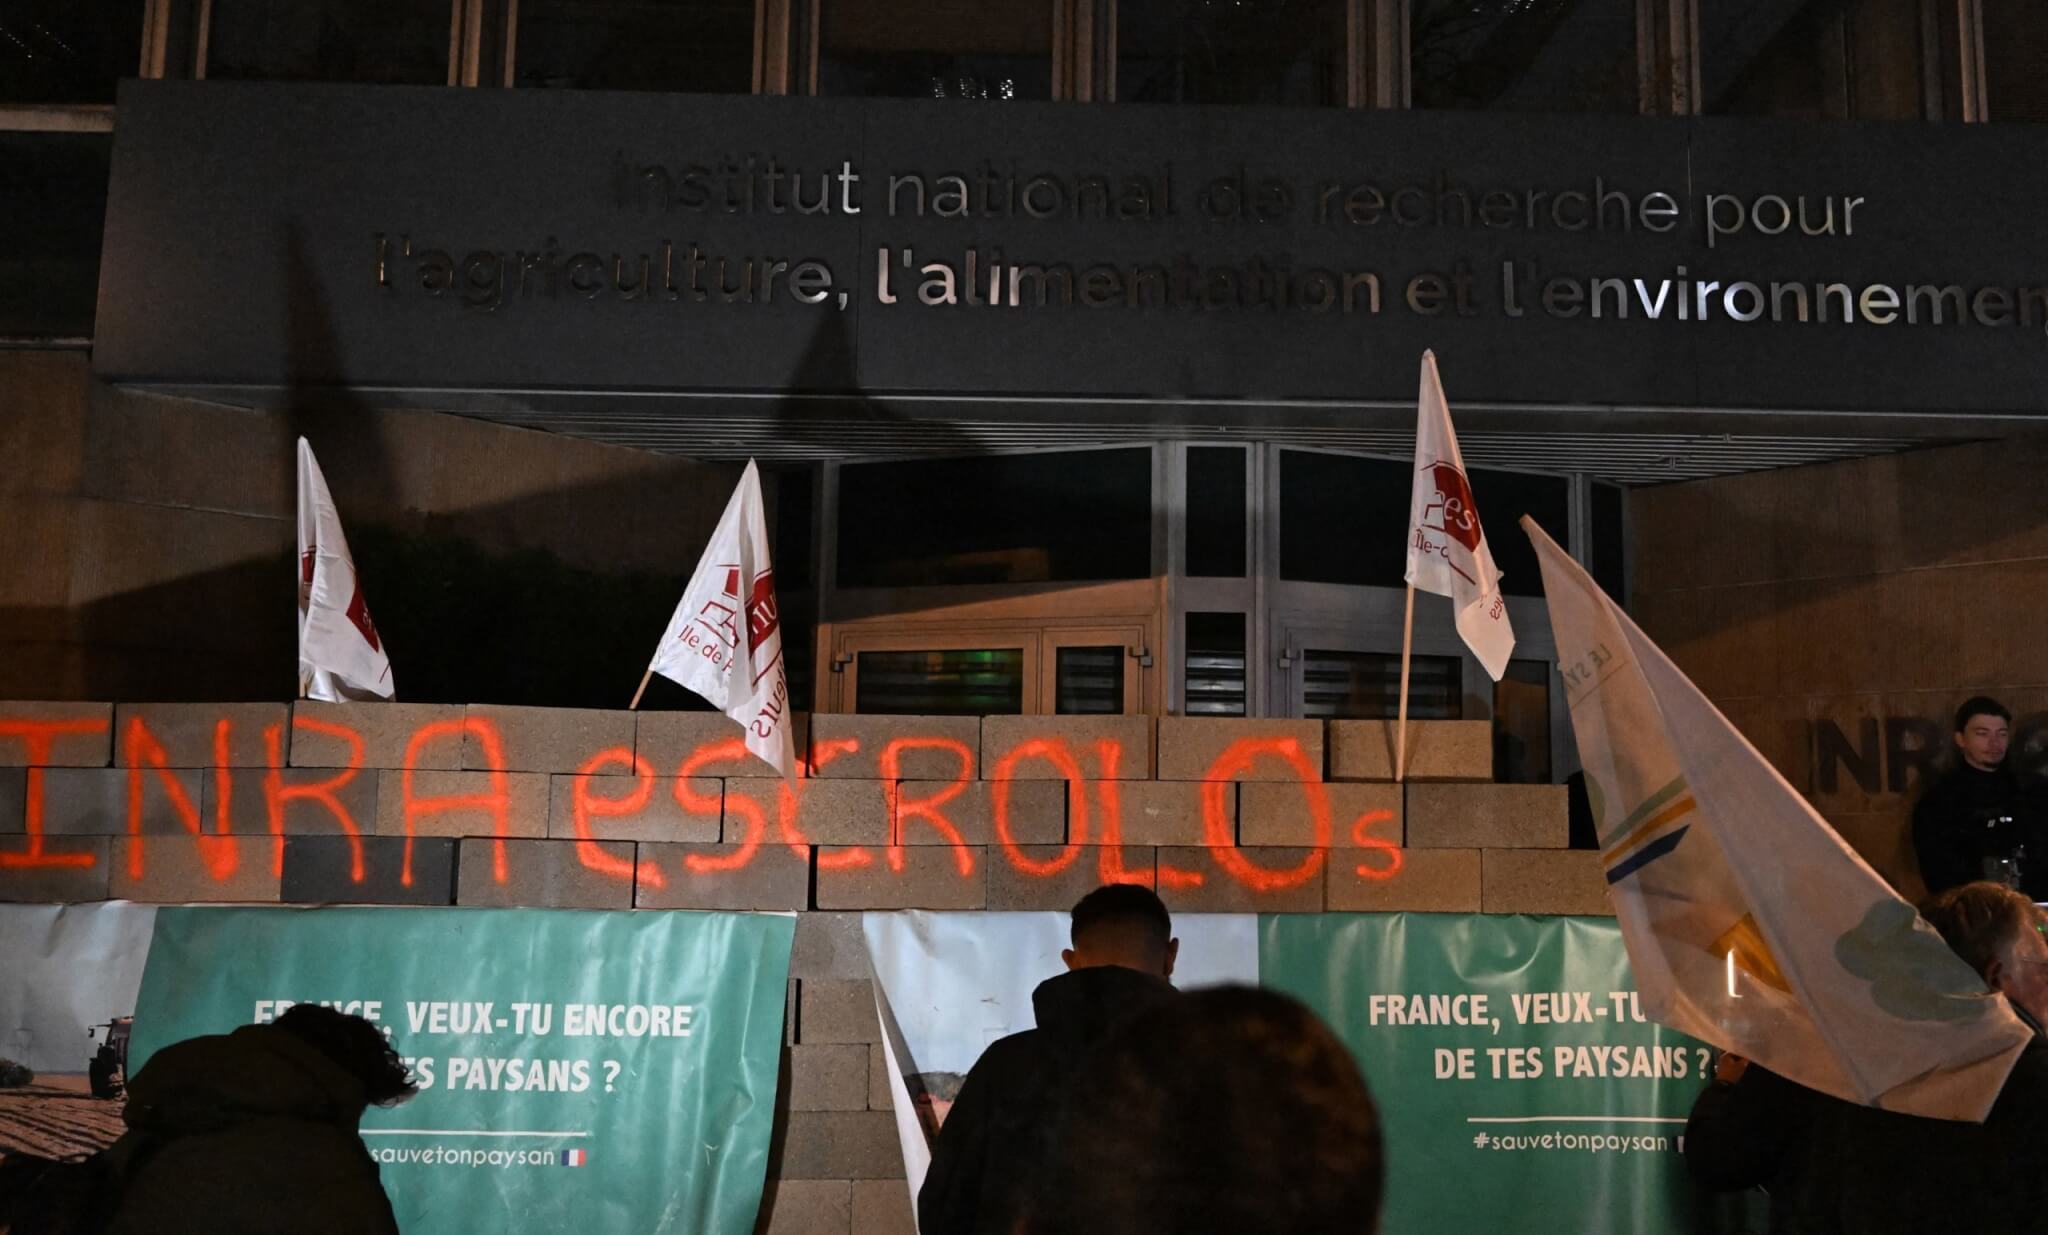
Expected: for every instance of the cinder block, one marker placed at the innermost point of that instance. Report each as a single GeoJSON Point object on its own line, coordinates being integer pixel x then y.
{"type": "Point", "coordinates": [320, 870]}
{"type": "Point", "coordinates": [1036, 811]}
{"type": "Point", "coordinates": [1360, 815]}
{"type": "Point", "coordinates": [188, 732]}
{"type": "Point", "coordinates": [59, 883]}
{"type": "Point", "coordinates": [1221, 891]}
{"type": "Point", "coordinates": [925, 747]}
{"type": "Point", "coordinates": [385, 730]}
{"type": "Point", "coordinates": [929, 878]}
{"type": "Point", "coordinates": [1487, 817]}
{"type": "Point", "coordinates": [303, 800]}
{"type": "Point", "coordinates": [176, 868]}
{"type": "Point", "coordinates": [545, 739]}
{"type": "Point", "coordinates": [835, 1012]}
{"type": "Point", "coordinates": [1165, 812]}
{"type": "Point", "coordinates": [661, 816]}
{"type": "Point", "coordinates": [13, 799]}
{"type": "Point", "coordinates": [1077, 737]}
{"type": "Point", "coordinates": [806, 1207]}
{"type": "Point", "coordinates": [439, 811]}
{"type": "Point", "coordinates": [549, 873]}
{"type": "Point", "coordinates": [1227, 748]}
{"type": "Point", "coordinates": [1437, 750]}
{"type": "Point", "coordinates": [829, 945]}
{"type": "Point", "coordinates": [669, 740]}
{"type": "Point", "coordinates": [882, 1207]}
{"type": "Point", "coordinates": [94, 801]}
{"type": "Point", "coordinates": [1427, 881]}
{"type": "Point", "coordinates": [828, 812]}
{"type": "Point", "coordinates": [879, 1098]}
{"type": "Point", "coordinates": [828, 1077]}
{"type": "Point", "coordinates": [841, 1145]}
{"type": "Point", "coordinates": [772, 878]}
{"type": "Point", "coordinates": [71, 735]}
{"type": "Point", "coordinates": [1568, 881]}
{"type": "Point", "coordinates": [1048, 878]}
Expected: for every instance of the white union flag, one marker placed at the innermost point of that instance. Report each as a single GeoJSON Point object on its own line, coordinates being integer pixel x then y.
{"type": "Point", "coordinates": [340, 655]}
{"type": "Point", "coordinates": [725, 640]}
{"type": "Point", "coordinates": [1447, 551]}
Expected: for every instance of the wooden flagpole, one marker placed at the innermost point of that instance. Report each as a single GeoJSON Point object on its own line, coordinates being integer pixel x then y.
{"type": "Point", "coordinates": [648, 676]}
{"type": "Point", "coordinates": [1401, 727]}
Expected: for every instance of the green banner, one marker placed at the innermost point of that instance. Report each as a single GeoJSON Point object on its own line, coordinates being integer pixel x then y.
{"type": "Point", "coordinates": [580, 1071]}
{"type": "Point", "coordinates": [1519, 1086]}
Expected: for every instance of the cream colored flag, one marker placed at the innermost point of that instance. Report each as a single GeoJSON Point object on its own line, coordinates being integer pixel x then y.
{"type": "Point", "coordinates": [725, 638]}
{"type": "Point", "coordinates": [1749, 923]}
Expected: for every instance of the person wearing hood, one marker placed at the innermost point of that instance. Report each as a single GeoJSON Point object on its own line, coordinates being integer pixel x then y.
{"type": "Point", "coordinates": [254, 1132]}
{"type": "Point", "coordinates": [1000, 1129]}
{"type": "Point", "coordinates": [1979, 821]}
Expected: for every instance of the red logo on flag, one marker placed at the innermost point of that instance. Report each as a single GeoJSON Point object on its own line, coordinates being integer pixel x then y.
{"type": "Point", "coordinates": [1456, 516]}
{"type": "Point", "coordinates": [358, 612]}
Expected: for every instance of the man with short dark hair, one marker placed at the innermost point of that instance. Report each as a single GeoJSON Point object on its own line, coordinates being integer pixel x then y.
{"type": "Point", "coordinates": [1977, 822]}
{"type": "Point", "coordinates": [987, 1156]}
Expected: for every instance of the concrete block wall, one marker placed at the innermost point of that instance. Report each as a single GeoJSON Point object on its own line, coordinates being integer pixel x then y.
{"type": "Point", "coordinates": [488, 805]}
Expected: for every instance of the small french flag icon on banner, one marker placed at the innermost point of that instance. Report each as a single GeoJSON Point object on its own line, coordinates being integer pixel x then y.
{"type": "Point", "coordinates": [575, 1157]}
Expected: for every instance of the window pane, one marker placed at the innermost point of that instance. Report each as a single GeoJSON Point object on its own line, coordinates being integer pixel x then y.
{"type": "Point", "coordinates": [1824, 59]}
{"type": "Point", "coordinates": [1610, 565]}
{"type": "Point", "coordinates": [53, 206]}
{"type": "Point", "coordinates": [795, 492]}
{"type": "Point", "coordinates": [1213, 675]}
{"type": "Point", "coordinates": [953, 682]}
{"type": "Point", "coordinates": [67, 51]}
{"type": "Point", "coordinates": [1197, 51]}
{"type": "Point", "coordinates": [1216, 511]}
{"type": "Point", "coordinates": [1524, 55]}
{"type": "Point", "coordinates": [388, 41]}
{"type": "Point", "coordinates": [2015, 53]}
{"type": "Point", "coordinates": [689, 46]}
{"type": "Point", "coordinates": [1521, 724]}
{"type": "Point", "coordinates": [1503, 498]}
{"type": "Point", "coordinates": [1367, 686]}
{"type": "Point", "coordinates": [937, 49]}
{"type": "Point", "coordinates": [1089, 681]}
{"type": "Point", "coordinates": [1071, 516]}
{"type": "Point", "coordinates": [1330, 508]}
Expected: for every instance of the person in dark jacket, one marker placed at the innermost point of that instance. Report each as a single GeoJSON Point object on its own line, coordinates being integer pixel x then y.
{"type": "Point", "coordinates": [1978, 815]}
{"type": "Point", "coordinates": [985, 1161]}
{"type": "Point", "coordinates": [1228, 1111]}
{"type": "Point", "coordinates": [254, 1132]}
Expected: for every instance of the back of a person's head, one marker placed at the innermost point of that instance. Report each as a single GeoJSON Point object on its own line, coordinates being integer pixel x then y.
{"type": "Point", "coordinates": [1122, 924]}
{"type": "Point", "coordinates": [1980, 921]}
{"type": "Point", "coordinates": [1228, 1111]}
{"type": "Point", "coordinates": [355, 1045]}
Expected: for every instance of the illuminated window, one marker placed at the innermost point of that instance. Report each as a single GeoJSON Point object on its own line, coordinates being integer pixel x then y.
{"type": "Point", "coordinates": [948, 682]}
{"type": "Point", "coordinates": [1213, 667]}
{"type": "Point", "coordinates": [1088, 681]}
{"type": "Point", "coordinates": [1367, 685]}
